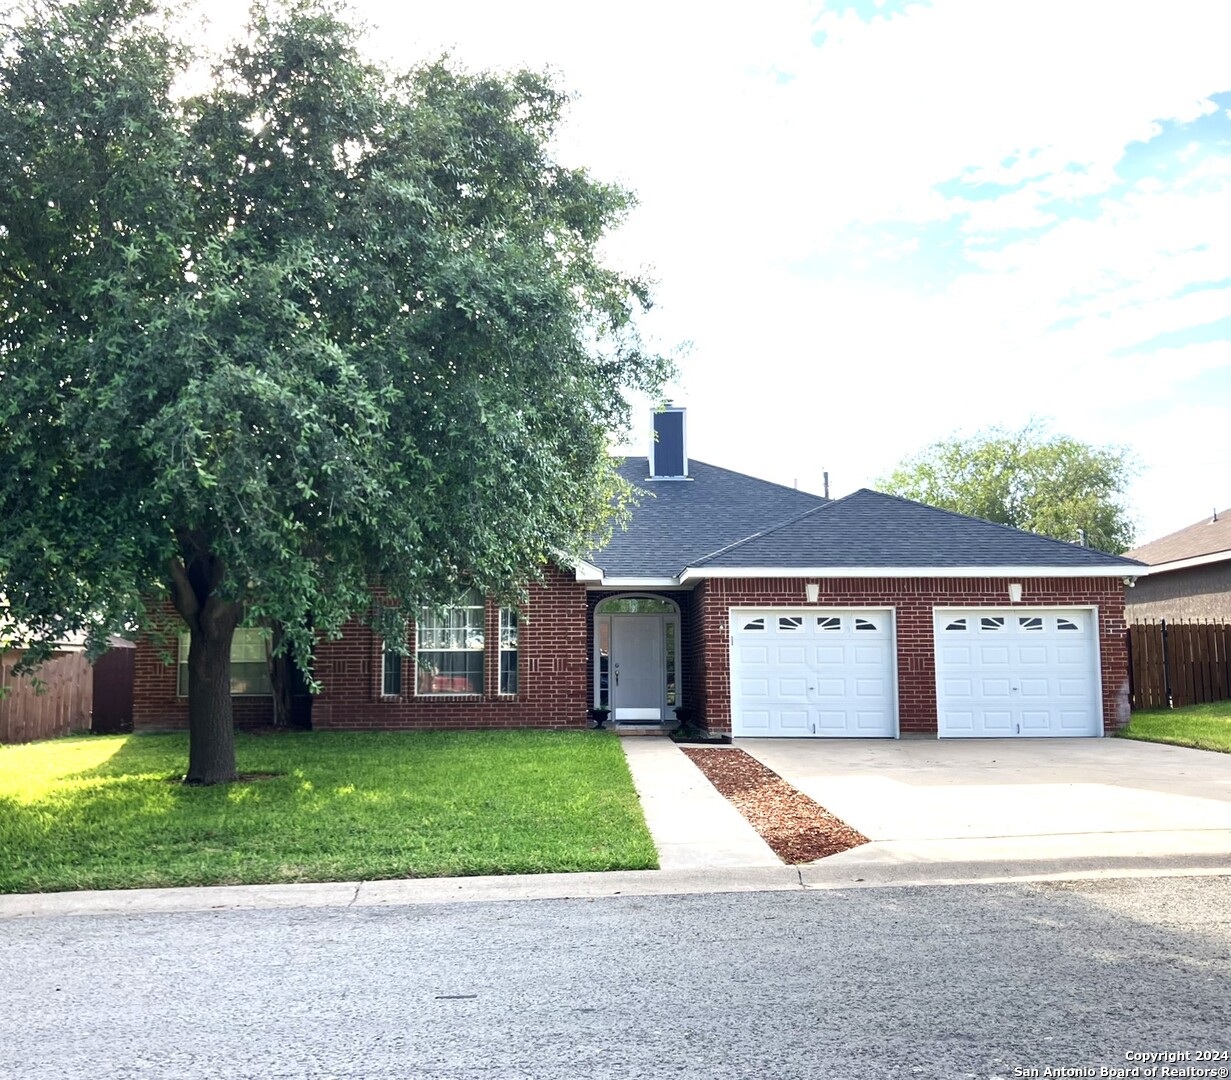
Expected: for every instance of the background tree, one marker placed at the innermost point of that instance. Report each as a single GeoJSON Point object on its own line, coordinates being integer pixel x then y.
{"type": "Point", "coordinates": [317, 340]}
{"type": "Point", "coordinates": [1030, 479]}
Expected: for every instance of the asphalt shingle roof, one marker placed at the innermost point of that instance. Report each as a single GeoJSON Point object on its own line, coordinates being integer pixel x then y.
{"type": "Point", "coordinates": [1209, 536]}
{"type": "Point", "coordinates": [678, 521]}
{"type": "Point", "coordinates": [870, 529]}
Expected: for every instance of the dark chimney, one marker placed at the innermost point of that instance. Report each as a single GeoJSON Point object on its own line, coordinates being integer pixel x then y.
{"type": "Point", "coordinates": [668, 455]}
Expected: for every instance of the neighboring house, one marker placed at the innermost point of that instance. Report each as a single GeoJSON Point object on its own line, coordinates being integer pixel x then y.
{"type": "Point", "coordinates": [1190, 574]}
{"type": "Point", "coordinates": [756, 609]}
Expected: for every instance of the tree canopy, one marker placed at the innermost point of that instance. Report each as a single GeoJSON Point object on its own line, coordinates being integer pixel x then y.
{"type": "Point", "coordinates": [317, 330]}
{"type": "Point", "coordinates": [1029, 479]}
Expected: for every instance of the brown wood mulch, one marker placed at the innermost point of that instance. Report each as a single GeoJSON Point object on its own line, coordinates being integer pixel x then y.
{"type": "Point", "coordinates": [797, 829]}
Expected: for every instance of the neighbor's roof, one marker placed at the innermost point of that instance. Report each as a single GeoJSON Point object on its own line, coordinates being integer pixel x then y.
{"type": "Point", "coordinates": [870, 530]}
{"type": "Point", "coordinates": [676, 522]}
{"type": "Point", "coordinates": [1210, 536]}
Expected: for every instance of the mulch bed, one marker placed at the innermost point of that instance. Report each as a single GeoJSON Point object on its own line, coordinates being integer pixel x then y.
{"type": "Point", "coordinates": [797, 829]}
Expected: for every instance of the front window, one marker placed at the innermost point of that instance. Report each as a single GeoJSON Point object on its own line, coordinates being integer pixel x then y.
{"type": "Point", "coordinates": [391, 672]}
{"type": "Point", "coordinates": [249, 664]}
{"type": "Point", "coordinates": [509, 625]}
{"type": "Point", "coordinates": [449, 647]}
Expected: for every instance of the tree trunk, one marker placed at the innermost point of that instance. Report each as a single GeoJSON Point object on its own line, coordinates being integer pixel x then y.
{"type": "Point", "coordinates": [196, 579]}
{"type": "Point", "coordinates": [211, 728]}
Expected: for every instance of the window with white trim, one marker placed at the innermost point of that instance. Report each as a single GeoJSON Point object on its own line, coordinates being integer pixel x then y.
{"type": "Point", "coordinates": [249, 663]}
{"type": "Point", "coordinates": [449, 647]}
{"type": "Point", "coordinates": [390, 672]}
{"type": "Point", "coordinates": [829, 622]}
{"type": "Point", "coordinates": [669, 661]}
{"type": "Point", "coordinates": [510, 623]}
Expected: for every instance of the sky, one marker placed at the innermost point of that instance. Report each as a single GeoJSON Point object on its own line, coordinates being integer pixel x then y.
{"type": "Point", "coordinates": [878, 223]}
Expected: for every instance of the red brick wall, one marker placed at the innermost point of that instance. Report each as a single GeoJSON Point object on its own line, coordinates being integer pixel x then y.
{"type": "Point", "coordinates": [555, 676]}
{"type": "Point", "coordinates": [552, 687]}
{"type": "Point", "coordinates": [914, 600]}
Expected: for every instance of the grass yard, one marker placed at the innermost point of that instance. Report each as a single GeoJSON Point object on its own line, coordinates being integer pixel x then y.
{"type": "Point", "coordinates": [1206, 727]}
{"type": "Point", "coordinates": [105, 812]}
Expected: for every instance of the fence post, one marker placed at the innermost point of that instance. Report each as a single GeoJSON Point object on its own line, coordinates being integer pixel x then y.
{"type": "Point", "coordinates": [1166, 667]}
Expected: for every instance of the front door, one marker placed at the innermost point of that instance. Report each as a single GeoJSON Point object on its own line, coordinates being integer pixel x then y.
{"type": "Point", "coordinates": [637, 672]}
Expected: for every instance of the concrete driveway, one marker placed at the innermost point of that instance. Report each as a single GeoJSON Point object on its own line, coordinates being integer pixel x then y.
{"type": "Point", "coordinates": [1101, 801]}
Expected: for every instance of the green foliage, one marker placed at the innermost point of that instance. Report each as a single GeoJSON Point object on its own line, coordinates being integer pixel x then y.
{"type": "Point", "coordinates": [102, 812]}
{"type": "Point", "coordinates": [1029, 479]}
{"type": "Point", "coordinates": [316, 329]}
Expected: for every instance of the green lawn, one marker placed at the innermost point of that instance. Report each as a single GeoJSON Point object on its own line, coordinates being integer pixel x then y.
{"type": "Point", "coordinates": [104, 812]}
{"type": "Point", "coordinates": [1206, 727]}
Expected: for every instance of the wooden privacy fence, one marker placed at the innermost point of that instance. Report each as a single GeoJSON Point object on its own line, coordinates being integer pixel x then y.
{"type": "Point", "coordinates": [1172, 664]}
{"type": "Point", "coordinates": [61, 707]}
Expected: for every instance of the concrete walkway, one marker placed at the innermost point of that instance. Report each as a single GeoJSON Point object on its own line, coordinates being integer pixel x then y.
{"type": "Point", "coordinates": [692, 825]}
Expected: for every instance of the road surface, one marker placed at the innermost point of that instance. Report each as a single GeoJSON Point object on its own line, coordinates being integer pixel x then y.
{"type": "Point", "coordinates": [947, 982]}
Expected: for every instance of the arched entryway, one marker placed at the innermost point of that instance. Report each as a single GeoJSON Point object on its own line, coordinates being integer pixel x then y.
{"type": "Point", "coordinates": [637, 658]}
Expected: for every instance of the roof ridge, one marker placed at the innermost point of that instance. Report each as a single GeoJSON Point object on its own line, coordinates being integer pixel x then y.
{"type": "Point", "coordinates": [733, 472]}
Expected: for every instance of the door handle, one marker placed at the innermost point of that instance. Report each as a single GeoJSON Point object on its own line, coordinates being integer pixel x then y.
{"type": "Point", "coordinates": [617, 674]}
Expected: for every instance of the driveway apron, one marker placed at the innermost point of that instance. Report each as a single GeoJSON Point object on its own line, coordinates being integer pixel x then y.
{"type": "Point", "coordinates": [1015, 801]}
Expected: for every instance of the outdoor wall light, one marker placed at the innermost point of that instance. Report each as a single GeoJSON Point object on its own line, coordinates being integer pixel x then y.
{"type": "Point", "coordinates": [1015, 594]}
{"type": "Point", "coordinates": [812, 590]}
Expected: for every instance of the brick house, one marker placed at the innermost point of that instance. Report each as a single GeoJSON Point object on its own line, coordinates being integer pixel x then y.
{"type": "Point", "coordinates": [1190, 574]}
{"type": "Point", "coordinates": [753, 610]}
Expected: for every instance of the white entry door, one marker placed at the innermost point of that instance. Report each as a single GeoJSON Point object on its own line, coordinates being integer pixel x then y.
{"type": "Point", "coordinates": [812, 673]}
{"type": "Point", "coordinates": [1017, 672]}
{"type": "Point", "coordinates": [638, 682]}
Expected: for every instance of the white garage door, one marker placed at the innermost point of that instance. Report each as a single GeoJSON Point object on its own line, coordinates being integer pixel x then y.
{"type": "Point", "coordinates": [812, 673]}
{"type": "Point", "coordinates": [1012, 672]}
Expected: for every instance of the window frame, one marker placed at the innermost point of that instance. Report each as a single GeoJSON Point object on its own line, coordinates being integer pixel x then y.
{"type": "Point", "coordinates": [181, 665]}
{"type": "Point", "coordinates": [508, 619]}
{"type": "Point", "coordinates": [438, 620]}
{"type": "Point", "coordinates": [385, 654]}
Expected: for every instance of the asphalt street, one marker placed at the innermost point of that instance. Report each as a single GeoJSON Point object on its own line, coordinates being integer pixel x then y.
{"type": "Point", "coordinates": [935, 981]}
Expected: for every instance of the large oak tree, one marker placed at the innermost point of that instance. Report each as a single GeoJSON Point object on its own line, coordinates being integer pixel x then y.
{"type": "Point", "coordinates": [315, 339]}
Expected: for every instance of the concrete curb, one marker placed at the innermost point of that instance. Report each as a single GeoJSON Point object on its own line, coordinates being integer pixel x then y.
{"type": "Point", "coordinates": [371, 895]}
